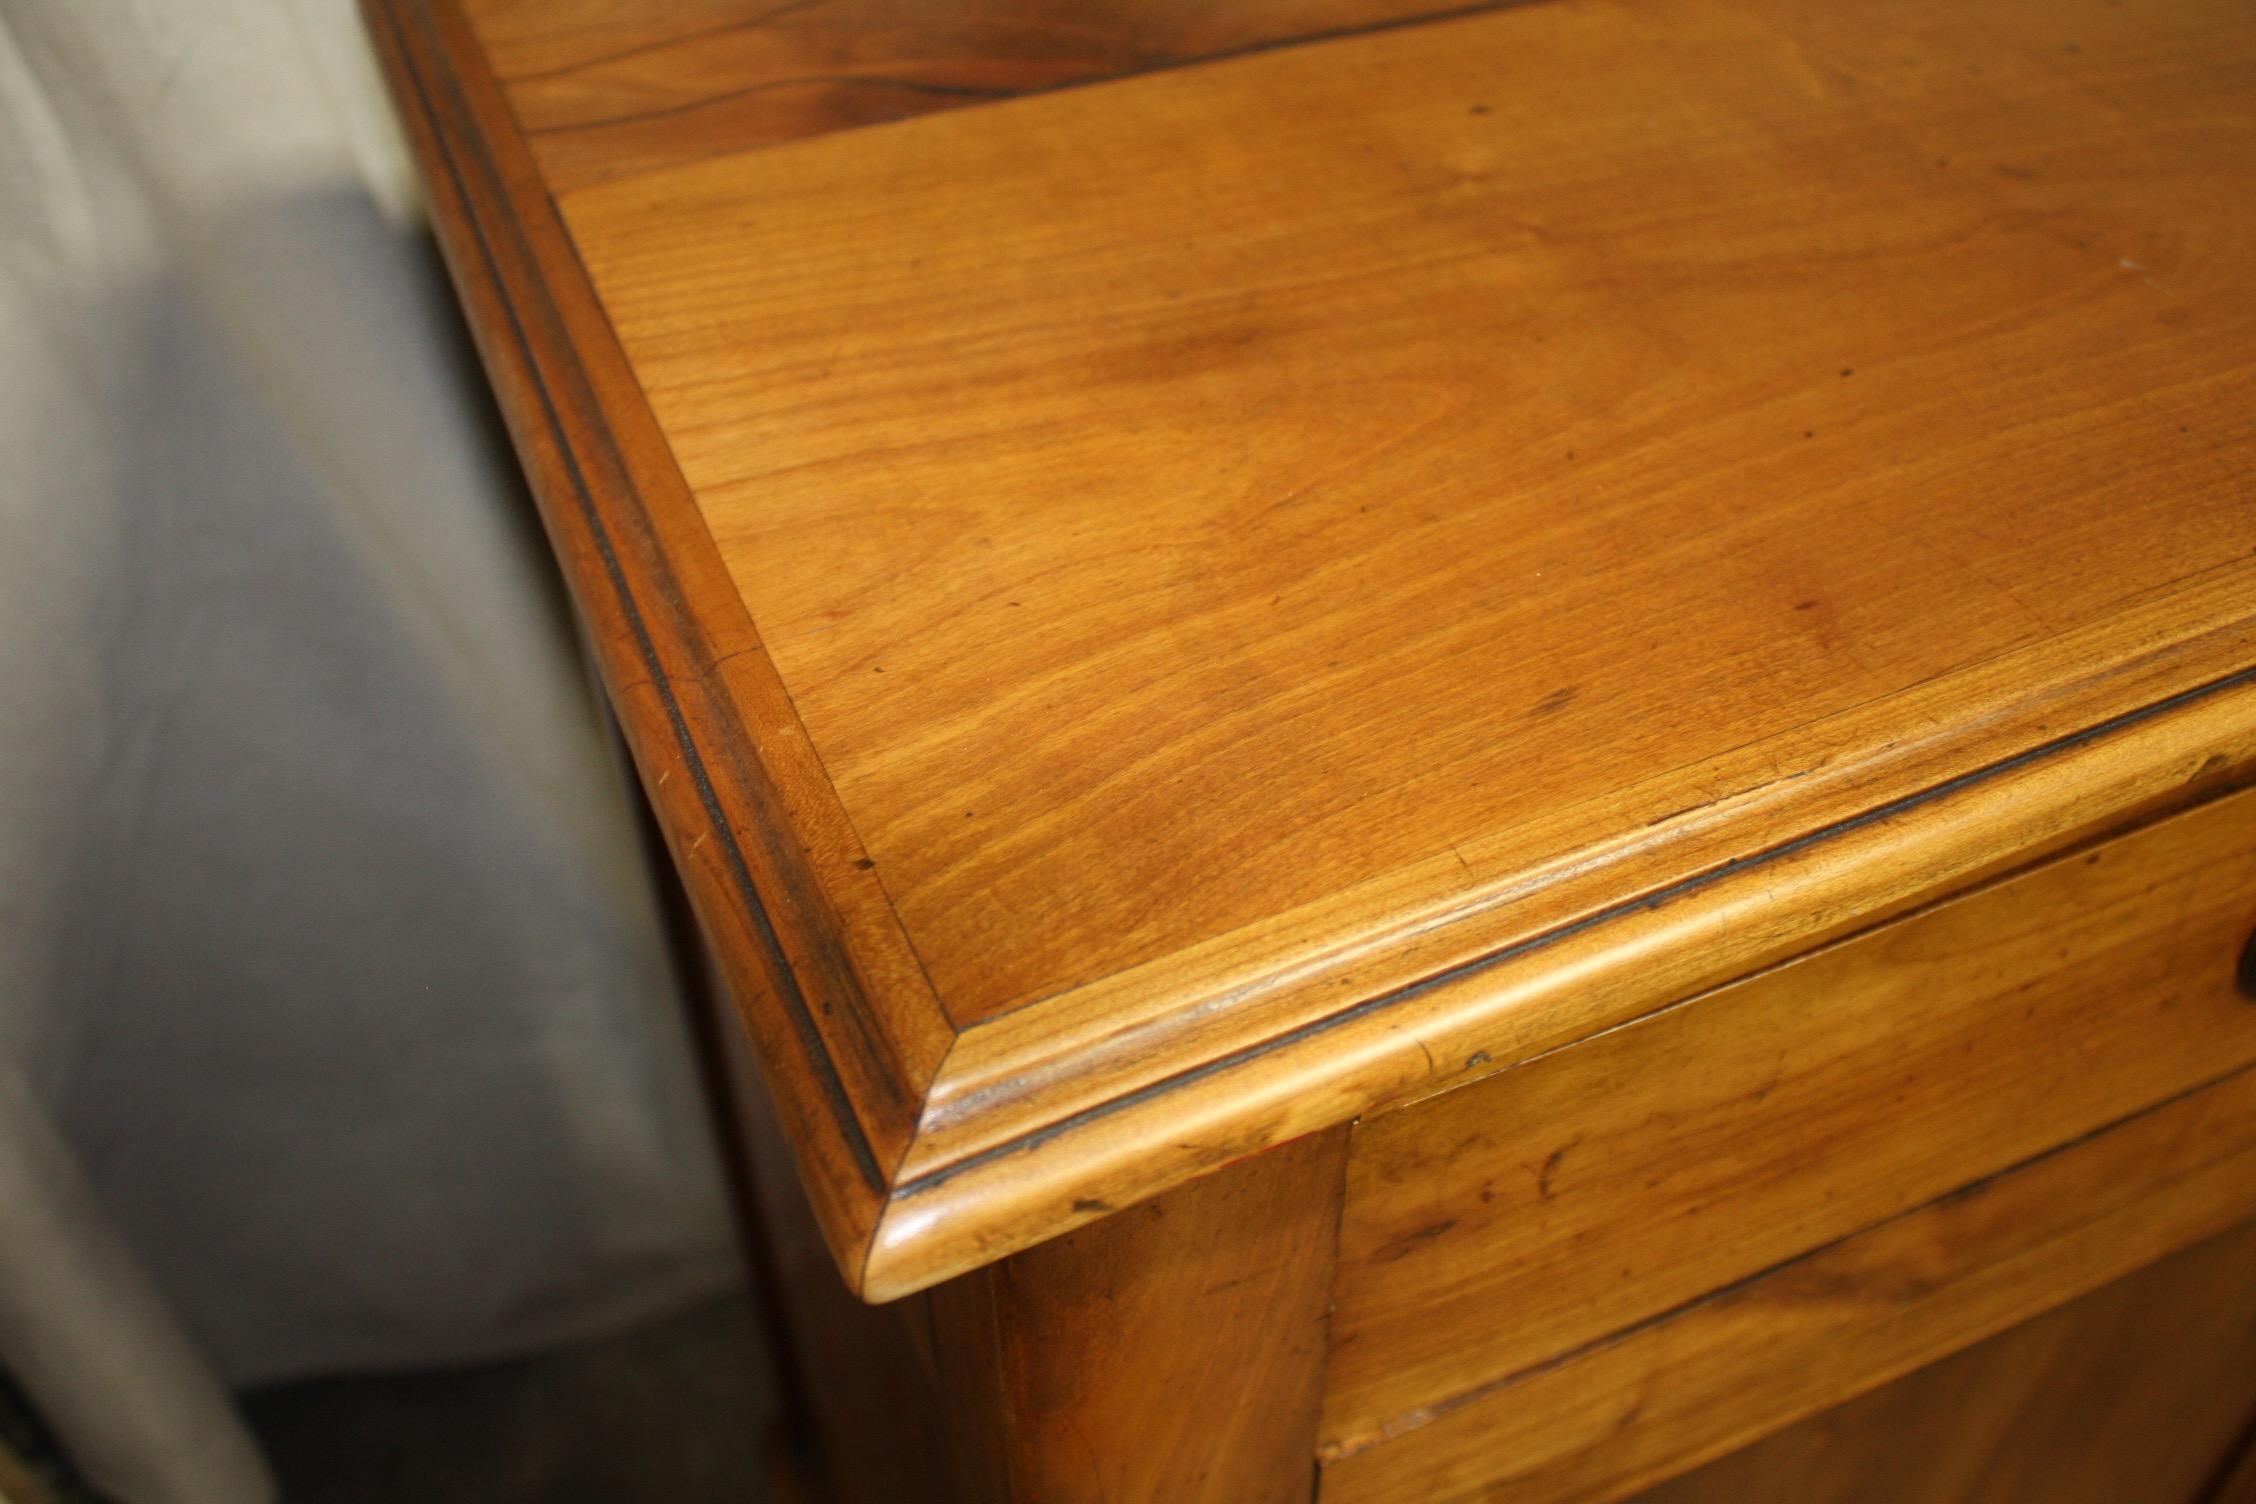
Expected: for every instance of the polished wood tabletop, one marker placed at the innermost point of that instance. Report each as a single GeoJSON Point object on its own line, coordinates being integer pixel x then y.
{"type": "Point", "coordinates": [1190, 585]}
{"type": "Point", "coordinates": [1182, 575]}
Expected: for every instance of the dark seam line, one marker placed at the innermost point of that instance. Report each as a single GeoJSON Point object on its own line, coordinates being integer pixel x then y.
{"type": "Point", "coordinates": [684, 39]}
{"type": "Point", "coordinates": [1648, 902]}
{"type": "Point", "coordinates": [795, 81]}
{"type": "Point", "coordinates": [992, 95]}
{"type": "Point", "coordinates": [795, 1001]}
{"type": "Point", "coordinates": [1972, 1188]}
{"type": "Point", "coordinates": [1317, 1460]}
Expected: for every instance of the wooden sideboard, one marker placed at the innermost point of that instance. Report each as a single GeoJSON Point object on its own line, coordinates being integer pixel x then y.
{"type": "Point", "coordinates": [1440, 752]}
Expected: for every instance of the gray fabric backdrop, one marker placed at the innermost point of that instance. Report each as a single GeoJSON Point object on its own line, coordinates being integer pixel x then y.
{"type": "Point", "coordinates": [323, 937]}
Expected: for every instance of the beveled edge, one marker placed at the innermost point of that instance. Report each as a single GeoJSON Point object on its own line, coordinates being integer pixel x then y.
{"type": "Point", "coordinates": [1597, 972]}
{"type": "Point", "coordinates": [850, 1040]}
{"type": "Point", "coordinates": [845, 1027]}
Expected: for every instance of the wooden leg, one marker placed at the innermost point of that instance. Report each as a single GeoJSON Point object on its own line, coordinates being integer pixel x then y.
{"type": "Point", "coordinates": [1170, 1354]}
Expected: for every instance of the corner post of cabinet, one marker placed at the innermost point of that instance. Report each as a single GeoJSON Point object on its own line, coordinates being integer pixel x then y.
{"type": "Point", "coordinates": [1173, 1351]}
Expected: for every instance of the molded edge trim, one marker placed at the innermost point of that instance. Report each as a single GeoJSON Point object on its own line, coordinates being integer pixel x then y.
{"type": "Point", "coordinates": [1648, 951]}
{"type": "Point", "coordinates": [849, 1099]}
{"type": "Point", "coordinates": [844, 1087]}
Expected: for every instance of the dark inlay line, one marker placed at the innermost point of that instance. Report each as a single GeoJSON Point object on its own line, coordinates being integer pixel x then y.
{"type": "Point", "coordinates": [1658, 898]}
{"type": "Point", "coordinates": [874, 1047]}
{"type": "Point", "coordinates": [739, 869]}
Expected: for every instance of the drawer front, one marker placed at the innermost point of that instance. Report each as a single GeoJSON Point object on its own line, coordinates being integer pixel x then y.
{"type": "Point", "coordinates": [1501, 1229]}
{"type": "Point", "coordinates": [2141, 1390]}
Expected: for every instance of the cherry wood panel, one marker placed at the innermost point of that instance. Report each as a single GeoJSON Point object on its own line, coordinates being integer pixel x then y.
{"type": "Point", "coordinates": [1294, 583]}
{"type": "Point", "coordinates": [1693, 1384]}
{"type": "Point", "coordinates": [1172, 1354]}
{"type": "Point", "coordinates": [1155, 547]}
{"type": "Point", "coordinates": [1491, 1229]}
{"type": "Point", "coordinates": [606, 88]}
{"type": "Point", "coordinates": [1161, 618]}
{"type": "Point", "coordinates": [2135, 1392]}
{"type": "Point", "coordinates": [1100, 1119]}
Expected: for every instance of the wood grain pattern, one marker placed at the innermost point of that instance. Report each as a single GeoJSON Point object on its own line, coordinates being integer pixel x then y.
{"type": "Point", "coordinates": [1492, 1229]}
{"type": "Point", "coordinates": [1746, 1361]}
{"type": "Point", "coordinates": [2132, 1393]}
{"type": "Point", "coordinates": [1173, 1354]}
{"type": "Point", "coordinates": [1102, 523]}
{"type": "Point", "coordinates": [1246, 635]}
{"type": "Point", "coordinates": [827, 984]}
{"type": "Point", "coordinates": [609, 88]}
{"type": "Point", "coordinates": [1288, 587]}
{"type": "Point", "coordinates": [1111, 1121]}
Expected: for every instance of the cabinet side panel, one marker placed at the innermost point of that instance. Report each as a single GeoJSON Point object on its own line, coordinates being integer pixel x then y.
{"type": "Point", "coordinates": [1172, 1353]}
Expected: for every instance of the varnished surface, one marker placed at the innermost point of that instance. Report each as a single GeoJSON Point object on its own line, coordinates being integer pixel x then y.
{"type": "Point", "coordinates": [1161, 616]}
{"type": "Point", "coordinates": [1494, 1229]}
{"type": "Point", "coordinates": [1166, 616]}
{"type": "Point", "coordinates": [608, 88]}
{"type": "Point", "coordinates": [1157, 549]}
{"type": "Point", "coordinates": [1744, 1361]}
{"type": "Point", "coordinates": [1174, 1352]}
{"type": "Point", "coordinates": [2135, 1392]}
